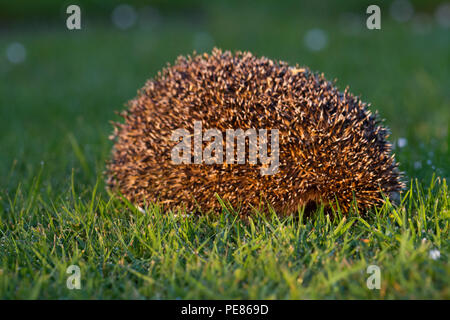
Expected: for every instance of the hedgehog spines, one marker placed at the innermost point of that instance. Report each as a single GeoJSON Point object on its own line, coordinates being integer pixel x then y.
{"type": "Point", "coordinates": [331, 147]}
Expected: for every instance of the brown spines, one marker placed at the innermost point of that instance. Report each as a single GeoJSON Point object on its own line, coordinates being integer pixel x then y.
{"type": "Point", "coordinates": [331, 146]}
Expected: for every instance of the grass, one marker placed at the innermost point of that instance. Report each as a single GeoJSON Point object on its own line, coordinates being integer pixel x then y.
{"type": "Point", "coordinates": [124, 253]}
{"type": "Point", "coordinates": [55, 110]}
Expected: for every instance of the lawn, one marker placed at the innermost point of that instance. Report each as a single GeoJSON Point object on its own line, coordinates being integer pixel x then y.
{"type": "Point", "coordinates": [55, 113]}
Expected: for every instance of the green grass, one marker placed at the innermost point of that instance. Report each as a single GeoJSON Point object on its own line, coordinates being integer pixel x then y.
{"type": "Point", "coordinates": [55, 110]}
{"type": "Point", "coordinates": [123, 253]}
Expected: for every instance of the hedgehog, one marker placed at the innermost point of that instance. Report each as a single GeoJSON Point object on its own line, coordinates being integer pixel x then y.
{"type": "Point", "coordinates": [331, 150]}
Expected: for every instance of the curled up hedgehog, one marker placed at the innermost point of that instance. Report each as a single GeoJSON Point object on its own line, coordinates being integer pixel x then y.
{"type": "Point", "coordinates": [299, 140]}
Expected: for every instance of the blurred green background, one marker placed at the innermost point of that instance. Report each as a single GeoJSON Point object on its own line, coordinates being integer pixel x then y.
{"type": "Point", "coordinates": [59, 89]}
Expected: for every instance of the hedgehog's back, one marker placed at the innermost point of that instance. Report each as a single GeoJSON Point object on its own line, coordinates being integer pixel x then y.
{"type": "Point", "coordinates": [330, 146]}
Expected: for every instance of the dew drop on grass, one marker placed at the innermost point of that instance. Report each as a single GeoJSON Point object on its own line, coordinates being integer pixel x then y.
{"type": "Point", "coordinates": [16, 53]}
{"type": "Point", "coordinates": [124, 16]}
{"type": "Point", "coordinates": [435, 254]}
{"type": "Point", "coordinates": [316, 39]}
{"type": "Point", "coordinates": [402, 142]}
{"type": "Point", "coordinates": [418, 165]}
